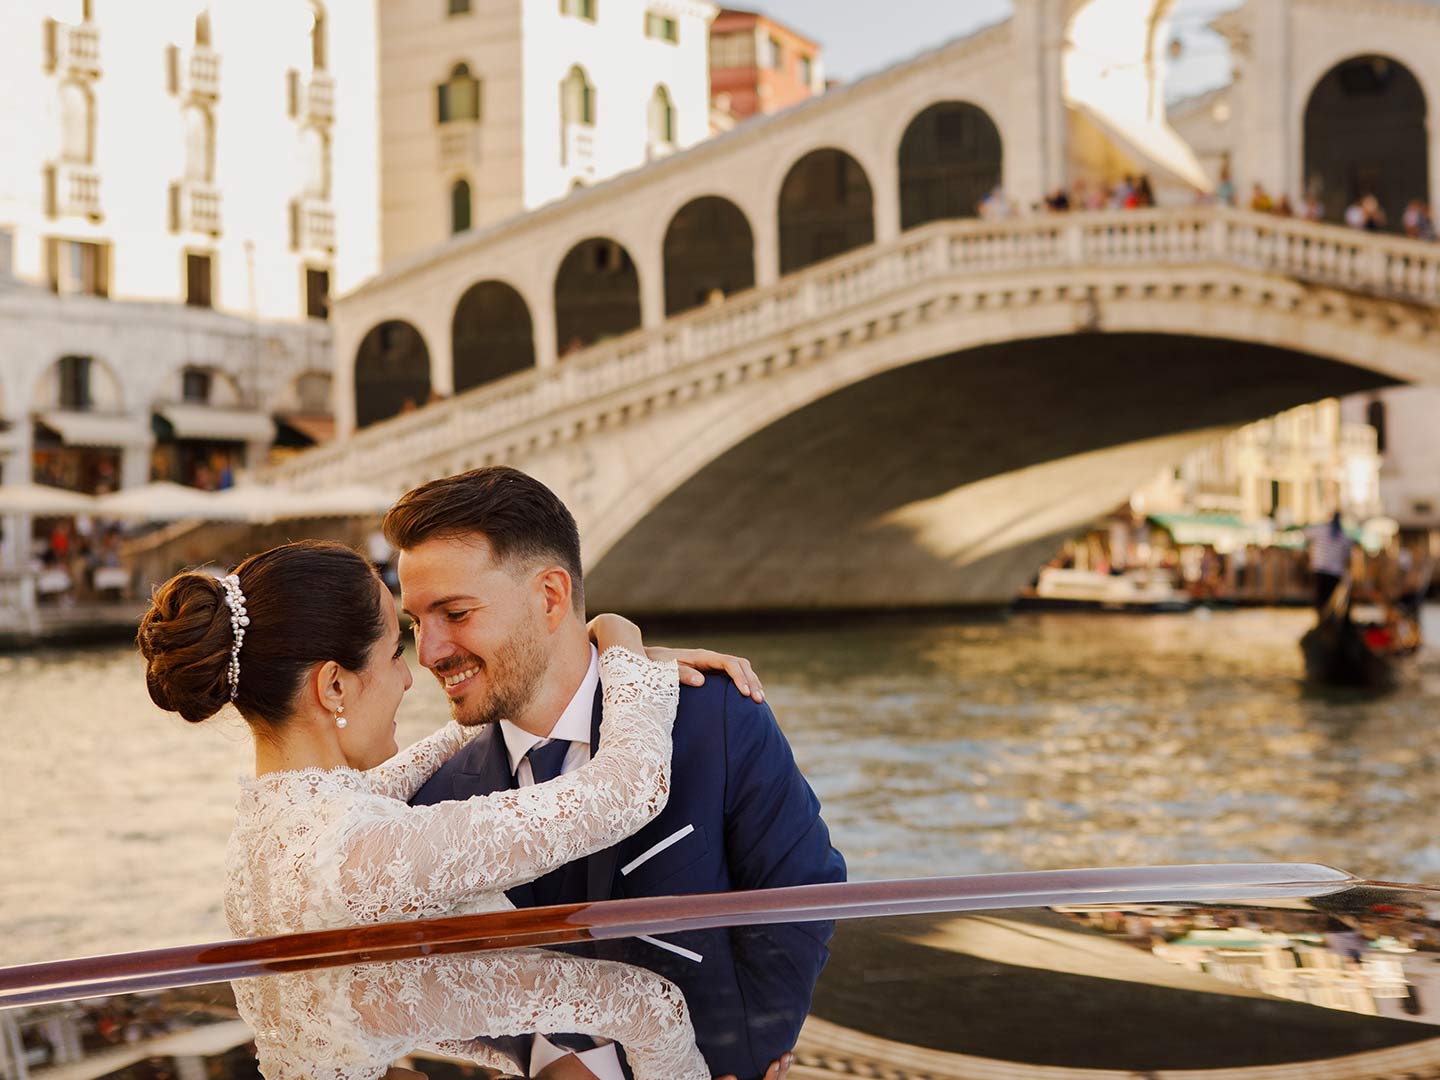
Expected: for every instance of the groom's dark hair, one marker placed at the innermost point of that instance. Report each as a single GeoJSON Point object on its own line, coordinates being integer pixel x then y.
{"type": "Point", "coordinates": [519, 516]}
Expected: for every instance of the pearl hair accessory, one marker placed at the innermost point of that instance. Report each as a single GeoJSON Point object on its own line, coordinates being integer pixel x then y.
{"type": "Point", "coordinates": [239, 620]}
{"type": "Point", "coordinates": [340, 720]}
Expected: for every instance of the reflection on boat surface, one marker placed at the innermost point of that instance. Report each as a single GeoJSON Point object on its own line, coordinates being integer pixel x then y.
{"type": "Point", "coordinates": [1268, 971]}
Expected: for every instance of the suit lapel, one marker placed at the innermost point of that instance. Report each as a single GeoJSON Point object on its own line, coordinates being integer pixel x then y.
{"type": "Point", "coordinates": [485, 767]}
{"type": "Point", "coordinates": [600, 867]}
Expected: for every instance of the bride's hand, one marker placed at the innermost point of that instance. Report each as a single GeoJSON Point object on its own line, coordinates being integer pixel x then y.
{"type": "Point", "coordinates": [693, 662]}
{"type": "Point", "coordinates": [610, 631]}
{"type": "Point", "coordinates": [778, 1070]}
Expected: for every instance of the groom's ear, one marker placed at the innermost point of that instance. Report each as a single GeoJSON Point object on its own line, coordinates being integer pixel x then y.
{"type": "Point", "coordinates": [555, 596]}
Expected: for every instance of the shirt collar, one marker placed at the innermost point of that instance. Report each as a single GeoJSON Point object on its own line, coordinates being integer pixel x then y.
{"type": "Point", "coordinates": [602, 1060]}
{"type": "Point", "coordinates": [573, 725]}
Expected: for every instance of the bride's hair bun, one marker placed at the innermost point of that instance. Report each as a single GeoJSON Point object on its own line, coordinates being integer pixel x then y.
{"type": "Point", "coordinates": [185, 638]}
{"type": "Point", "coordinates": [307, 602]}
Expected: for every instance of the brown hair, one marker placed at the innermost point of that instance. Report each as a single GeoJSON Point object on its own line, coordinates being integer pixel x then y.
{"type": "Point", "coordinates": [519, 516]}
{"type": "Point", "coordinates": [308, 602]}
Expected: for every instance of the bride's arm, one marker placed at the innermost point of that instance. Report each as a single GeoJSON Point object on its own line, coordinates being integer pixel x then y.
{"type": "Point", "coordinates": [396, 860]}
{"type": "Point", "coordinates": [445, 1001]}
{"type": "Point", "coordinates": [404, 774]}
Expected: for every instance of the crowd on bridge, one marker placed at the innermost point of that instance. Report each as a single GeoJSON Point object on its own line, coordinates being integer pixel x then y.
{"type": "Point", "coordinates": [1136, 192]}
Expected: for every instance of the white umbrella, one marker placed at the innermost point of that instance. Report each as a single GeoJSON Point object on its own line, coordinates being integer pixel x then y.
{"type": "Point", "coordinates": [257, 503]}
{"type": "Point", "coordinates": [159, 500]}
{"type": "Point", "coordinates": [348, 500]}
{"type": "Point", "coordinates": [27, 498]}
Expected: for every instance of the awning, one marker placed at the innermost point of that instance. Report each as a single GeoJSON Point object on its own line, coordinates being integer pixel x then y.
{"type": "Point", "coordinates": [218, 425]}
{"type": "Point", "coordinates": [317, 427]}
{"type": "Point", "coordinates": [95, 429]}
{"type": "Point", "coordinates": [1208, 530]}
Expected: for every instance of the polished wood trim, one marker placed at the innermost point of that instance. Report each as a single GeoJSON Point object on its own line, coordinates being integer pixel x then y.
{"type": "Point", "coordinates": [157, 969]}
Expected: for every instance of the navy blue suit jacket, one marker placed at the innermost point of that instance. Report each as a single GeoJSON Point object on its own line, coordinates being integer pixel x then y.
{"type": "Point", "coordinates": [753, 823]}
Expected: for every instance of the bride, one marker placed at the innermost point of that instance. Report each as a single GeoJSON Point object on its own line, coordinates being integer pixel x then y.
{"type": "Point", "coordinates": [304, 641]}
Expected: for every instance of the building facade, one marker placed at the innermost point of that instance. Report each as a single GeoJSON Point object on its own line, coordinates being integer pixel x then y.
{"type": "Point", "coordinates": [1295, 468]}
{"type": "Point", "coordinates": [168, 232]}
{"type": "Point", "coordinates": [758, 65]}
{"type": "Point", "coordinates": [490, 108]}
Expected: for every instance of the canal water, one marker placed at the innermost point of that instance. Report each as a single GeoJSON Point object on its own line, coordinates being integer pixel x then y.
{"type": "Point", "coordinates": [937, 747]}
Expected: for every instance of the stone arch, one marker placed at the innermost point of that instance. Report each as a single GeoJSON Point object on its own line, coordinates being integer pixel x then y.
{"type": "Point", "coordinates": [91, 385]}
{"type": "Point", "coordinates": [826, 207]}
{"type": "Point", "coordinates": [950, 157]}
{"type": "Point", "coordinates": [491, 334]}
{"type": "Point", "coordinates": [1365, 134]}
{"type": "Point", "coordinates": [597, 294]}
{"type": "Point", "coordinates": [709, 246]}
{"type": "Point", "coordinates": [392, 372]}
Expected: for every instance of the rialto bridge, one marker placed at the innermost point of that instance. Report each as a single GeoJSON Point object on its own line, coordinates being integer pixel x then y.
{"type": "Point", "coordinates": [781, 370]}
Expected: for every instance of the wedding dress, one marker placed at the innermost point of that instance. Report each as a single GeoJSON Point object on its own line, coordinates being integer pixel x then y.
{"type": "Point", "coordinates": [324, 848]}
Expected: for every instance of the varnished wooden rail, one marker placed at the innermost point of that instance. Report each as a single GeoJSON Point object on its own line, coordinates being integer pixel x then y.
{"type": "Point", "coordinates": [158, 969]}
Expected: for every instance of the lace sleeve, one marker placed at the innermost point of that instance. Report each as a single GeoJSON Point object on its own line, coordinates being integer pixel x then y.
{"type": "Point", "coordinates": [391, 860]}
{"type": "Point", "coordinates": [403, 775]}
{"type": "Point", "coordinates": [541, 992]}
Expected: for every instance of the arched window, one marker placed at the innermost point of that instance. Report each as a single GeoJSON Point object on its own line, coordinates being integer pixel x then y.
{"type": "Point", "coordinates": [315, 153]}
{"type": "Point", "coordinates": [199, 144]}
{"type": "Point", "coordinates": [77, 123]}
{"type": "Point", "coordinates": [460, 206]}
{"type": "Point", "coordinates": [577, 98]}
{"type": "Point", "coordinates": [458, 98]}
{"type": "Point", "coordinates": [202, 30]}
{"type": "Point", "coordinates": [662, 118]}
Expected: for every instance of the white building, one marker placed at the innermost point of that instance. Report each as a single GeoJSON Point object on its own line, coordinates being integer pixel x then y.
{"type": "Point", "coordinates": [493, 107]}
{"type": "Point", "coordinates": [1404, 422]}
{"type": "Point", "coordinates": [1294, 468]}
{"type": "Point", "coordinates": [168, 238]}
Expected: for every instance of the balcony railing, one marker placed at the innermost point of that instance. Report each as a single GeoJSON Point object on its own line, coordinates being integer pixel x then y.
{"type": "Point", "coordinates": [74, 50]}
{"type": "Point", "coordinates": [72, 190]}
{"type": "Point", "coordinates": [312, 100]}
{"type": "Point", "coordinates": [204, 72]}
{"type": "Point", "coordinates": [578, 151]}
{"type": "Point", "coordinates": [195, 207]}
{"type": "Point", "coordinates": [312, 224]}
{"type": "Point", "coordinates": [459, 145]}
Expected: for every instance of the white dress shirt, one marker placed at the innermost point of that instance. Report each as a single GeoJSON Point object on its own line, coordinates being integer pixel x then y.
{"type": "Point", "coordinates": [602, 1061]}
{"type": "Point", "coordinates": [574, 727]}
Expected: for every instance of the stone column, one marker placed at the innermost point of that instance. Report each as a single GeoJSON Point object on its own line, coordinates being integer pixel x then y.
{"type": "Point", "coordinates": [1272, 121]}
{"type": "Point", "coordinates": [135, 463]}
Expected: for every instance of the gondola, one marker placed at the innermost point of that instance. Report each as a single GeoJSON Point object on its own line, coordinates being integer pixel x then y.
{"type": "Point", "coordinates": [1339, 651]}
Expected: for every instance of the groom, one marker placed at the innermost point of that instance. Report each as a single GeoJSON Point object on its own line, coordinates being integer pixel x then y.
{"type": "Point", "coordinates": [490, 573]}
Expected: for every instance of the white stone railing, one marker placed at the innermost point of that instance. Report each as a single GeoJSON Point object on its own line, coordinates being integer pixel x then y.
{"type": "Point", "coordinates": [195, 207]}
{"type": "Point", "coordinates": [73, 189]}
{"type": "Point", "coordinates": [312, 224]}
{"type": "Point", "coordinates": [1362, 262]}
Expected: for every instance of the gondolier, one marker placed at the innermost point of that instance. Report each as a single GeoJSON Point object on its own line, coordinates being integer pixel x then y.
{"type": "Point", "coordinates": [1329, 550]}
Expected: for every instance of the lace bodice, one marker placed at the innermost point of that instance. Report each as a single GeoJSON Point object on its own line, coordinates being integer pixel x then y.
{"type": "Point", "coordinates": [315, 849]}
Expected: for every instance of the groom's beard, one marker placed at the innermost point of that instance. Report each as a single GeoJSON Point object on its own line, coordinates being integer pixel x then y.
{"type": "Point", "coordinates": [512, 677]}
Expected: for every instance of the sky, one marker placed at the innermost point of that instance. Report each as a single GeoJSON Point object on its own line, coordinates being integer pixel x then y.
{"type": "Point", "coordinates": [861, 36]}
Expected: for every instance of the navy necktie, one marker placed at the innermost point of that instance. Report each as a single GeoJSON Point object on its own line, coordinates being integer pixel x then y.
{"type": "Point", "coordinates": [547, 761]}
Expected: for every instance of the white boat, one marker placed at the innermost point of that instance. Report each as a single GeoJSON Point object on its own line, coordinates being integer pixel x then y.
{"type": "Point", "coordinates": [1133, 590]}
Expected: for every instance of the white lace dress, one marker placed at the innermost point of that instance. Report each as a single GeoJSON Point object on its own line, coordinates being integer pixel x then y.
{"type": "Point", "coordinates": [324, 848]}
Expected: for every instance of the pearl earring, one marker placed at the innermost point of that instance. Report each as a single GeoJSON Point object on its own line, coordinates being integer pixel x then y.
{"type": "Point", "coordinates": [340, 720]}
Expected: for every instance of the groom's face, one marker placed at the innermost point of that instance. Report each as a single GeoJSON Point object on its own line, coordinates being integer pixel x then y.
{"type": "Point", "coordinates": [479, 627]}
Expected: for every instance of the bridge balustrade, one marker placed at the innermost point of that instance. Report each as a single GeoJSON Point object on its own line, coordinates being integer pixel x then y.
{"type": "Point", "coordinates": [1368, 263]}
